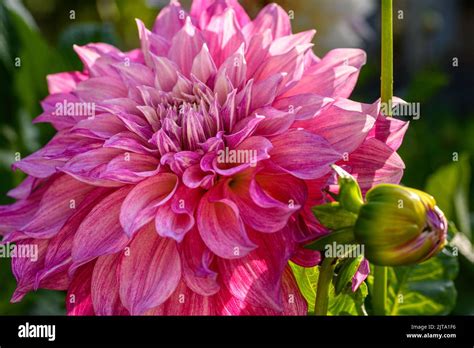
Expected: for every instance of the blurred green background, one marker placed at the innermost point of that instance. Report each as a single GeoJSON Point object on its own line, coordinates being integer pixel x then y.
{"type": "Point", "coordinates": [434, 65]}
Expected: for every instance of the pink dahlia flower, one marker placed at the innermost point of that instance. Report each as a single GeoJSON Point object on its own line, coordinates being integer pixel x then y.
{"type": "Point", "coordinates": [182, 173]}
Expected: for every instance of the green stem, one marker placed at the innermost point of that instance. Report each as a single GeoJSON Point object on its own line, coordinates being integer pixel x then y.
{"type": "Point", "coordinates": [387, 53]}
{"type": "Point", "coordinates": [380, 290]}
{"type": "Point", "coordinates": [380, 272]}
{"type": "Point", "coordinates": [326, 272]}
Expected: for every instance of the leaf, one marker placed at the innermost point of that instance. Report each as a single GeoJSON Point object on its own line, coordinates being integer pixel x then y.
{"type": "Point", "coordinates": [422, 289]}
{"type": "Point", "coordinates": [450, 187]}
{"type": "Point", "coordinates": [342, 236]}
{"type": "Point", "coordinates": [346, 303]}
{"type": "Point", "coordinates": [346, 272]}
{"type": "Point", "coordinates": [333, 216]}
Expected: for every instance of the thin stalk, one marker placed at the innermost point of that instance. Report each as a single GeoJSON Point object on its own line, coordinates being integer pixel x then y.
{"type": "Point", "coordinates": [380, 290]}
{"type": "Point", "coordinates": [326, 272]}
{"type": "Point", "coordinates": [387, 53]}
{"type": "Point", "coordinates": [380, 272]}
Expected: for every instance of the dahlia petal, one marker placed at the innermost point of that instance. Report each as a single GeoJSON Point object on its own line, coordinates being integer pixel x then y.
{"type": "Point", "coordinates": [242, 132]}
{"type": "Point", "coordinates": [344, 124]}
{"type": "Point", "coordinates": [306, 257]}
{"type": "Point", "coordinates": [89, 166]}
{"type": "Point", "coordinates": [267, 218]}
{"type": "Point", "coordinates": [194, 176]}
{"type": "Point", "coordinates": [206, 9]}
{"type": "Point", "coordinates": [25, 268]}
{"type": "Point", "coordinates": [291, 63]}
{"type": "Point", "coordinates": [256, 277]}
{"type": "Point", "coordinates": [79, 298]}
{"type": "Point", "coordinates": [131, 171]}
{"type": "Point", "coordinates": [58, 256]}
{"type": "Point", "coordinates": [285, 44]}
{"type": "Point", "coordinates": [166, 73]}
{"type": "Point", "coordinates": [389, 130]}
{"type": "Point", "coordinates": [57, 205]}
{"type": "Point", "coordinates": [203, 65]}
{"type": "Point", "coordinates": [64, 82]}
{"type": "Point", "coordinates": [97, 59]}
{"type": "Point", "coordinates": [100, 232]}
{"type": "Point", "coordinates": [150, 273]}
{"type": "Point", "coordinates": [222, 229]}
{"type": "Point", "coordinates": [336, 74]}
{"type": "Point", "coordinates": [271, 17]}
{"type": "Point", "coordinates": [303, 106]}
{"type": "Point", "coordinates": [252, 150]}
{"type": "Point", "coordinates": [361, 274]}
{"type": "Point", "coordinates": [264, 91]}
{"type": "Point", "coordinates": [235, 68]}
{"type": "Point", "coordinates": [171, 224]}
{"type": "Point", "coordinates": [185, 46]}
{"type": "Point", "coordinates": [136, 124]}
{"type": "Point", "coordinates": [18, 214]}
{"type": "Point", "coordinates": [129, 141]}
{"type": "Point", "coordinates": [169, 21]}
{"type": "Point", "coordinates": [195, 263]}
{"type": "Point", "coordinates": [293, 302]}
{"type": "Point", "coordinates": [140, 206]}
{"type": "Point", "coordinates": [97, 89]}
{"type": "Point", "coordinates": [374, 163]}
{"type": "Point", "coordinates": [151, 43]}
{"type": "Point", "coordinates": [51, 103]}
{"type": "Point", "coordinates": [303, 154]}
{"type": "Point", "coordinates": [23, 190]}
{"type": "Point", "coordinates": [273, 121]}
{"type": "Point", "coordinates": [38, 166]}
{"type": "Point", "coordinates": [223, 35]}
{"type": "Point", "coordinates": [105, 286]}
{"type": "Point", "coordinates": [102, 126]}
{"type": "Point", "coordinates": [135, 74]}
{"type": "Point", "coordinates": [185, 302]}
{"type": "Point", "coordinates": [257, 51]}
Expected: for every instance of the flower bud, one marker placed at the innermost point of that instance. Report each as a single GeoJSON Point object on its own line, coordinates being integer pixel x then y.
{"type": "Point", "coordinates": [400, 226]}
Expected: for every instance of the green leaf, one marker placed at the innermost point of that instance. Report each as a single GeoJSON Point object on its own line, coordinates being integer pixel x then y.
{"type": "Point", "coordinates": [450, 187]}
{"type": "Point", "coordinates": [346, 303]}
{"type": "Point", "coordinates": [422, 289]}
{"type": "Point", "coordinates": [333, 216]}
{"type": "Point", "coordinates": [342, 236]}
{"type": "Point", "coordinates": [350, 195]}
{"type": "Point", "coordinates": [346, 272]}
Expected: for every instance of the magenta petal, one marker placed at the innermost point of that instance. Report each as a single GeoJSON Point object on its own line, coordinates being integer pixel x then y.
{"type": "Point", "coordinates": [25, 269]}
{"type": "Point", "coordinates": [185, 46]}
{"type": "Point", "coordinates": [195, 260]}
{"type": "Point", "coordinates": [361, 274]}
{"type": "Point", "coordinates": [256, 277]}
{"type": "Point", "coordinates": [171, 224]}
{"type": "Point", "coordinates": [272, 17]}
{"type": "Point", "coordinates": [303, 154]}
{"type": "Point", "coordinates": [336, 74]}
{"type": "Point", "coordinates": [58, 203]}
{"type": "Point", "coordinates": [169, 21]}
{"type": "Point", "coordinates": [150, 272]}
{"type": "Point", "coordinates": [64, 82]}
{"type": "Point", "coordinates": [344, 124]}
{"type": "Point", "coordinates": [58, 257]}
{"type": "Point", "coordinates": [223, 35]}
{"type": "Point", "coordinates": [222, 229]}
{"type": "Point", "coordinates": [78, 298]}
{"type": "Point", "coordinates": [100, 233]}
{"type": "Point", "coordinates": [141, 204]}
{"type": "Point", "coordinates": [105, 286]}
{"type": "Point", "coordinates": [374, 163]}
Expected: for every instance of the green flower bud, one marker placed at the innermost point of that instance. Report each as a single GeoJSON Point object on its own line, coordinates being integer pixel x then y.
{"type": "Point", "coordinates": [400, 226]}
